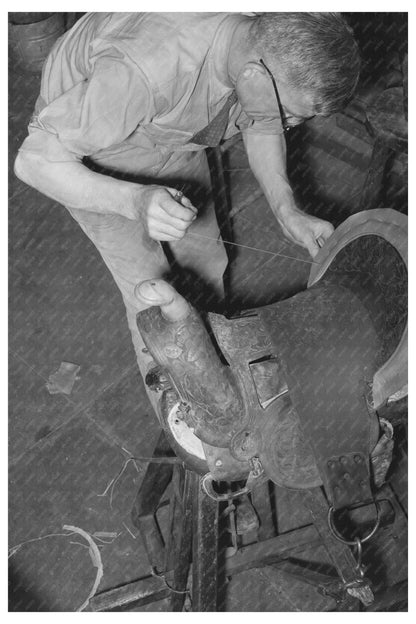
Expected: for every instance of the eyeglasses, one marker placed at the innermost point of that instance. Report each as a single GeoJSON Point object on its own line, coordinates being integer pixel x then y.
{"type": "Point", "coordinates": [285, 123]}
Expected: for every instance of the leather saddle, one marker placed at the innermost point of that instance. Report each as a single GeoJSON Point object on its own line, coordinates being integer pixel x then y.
{"type": "Point", "coordinates": [290, 391]}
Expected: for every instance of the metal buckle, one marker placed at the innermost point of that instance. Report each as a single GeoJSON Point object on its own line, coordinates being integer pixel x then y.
{"type": "Point", "coordinates": [360, 541]}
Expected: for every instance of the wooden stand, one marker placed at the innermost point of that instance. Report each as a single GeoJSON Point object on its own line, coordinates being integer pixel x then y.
{"type": "Point", "coordinates": [193, 538]}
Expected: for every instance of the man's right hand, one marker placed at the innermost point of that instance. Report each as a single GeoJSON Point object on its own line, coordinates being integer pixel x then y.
{"type": "Point", "coordinates": [165, 218]}
{"type": "Point", "coordinates": [44, 163]}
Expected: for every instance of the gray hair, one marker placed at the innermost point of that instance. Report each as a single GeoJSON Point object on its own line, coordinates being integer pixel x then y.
{"type": "Point", "coordinates": [315, 52]}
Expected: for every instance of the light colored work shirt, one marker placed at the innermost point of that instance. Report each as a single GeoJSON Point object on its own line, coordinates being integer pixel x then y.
{"type": "Point", "coordinates": [120, 83]}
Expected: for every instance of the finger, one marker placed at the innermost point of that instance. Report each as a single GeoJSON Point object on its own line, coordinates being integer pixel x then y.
{"type": "Point", "coordinates": [187, 202]}
{"type": "Point", "coordinates": [325, 230]}
{"type": "Point", "coordinates": [329, 230]}
{"type": "Point", "coordinates": [159, 221]}
{"type": "Point", "coordinates": [181, 200]}
{"type": "Point", "coordinates": [312, 246]}
{"type": "Point", "coordinates": [313, 250]}
{"type": "Point", "coordinates": [162, 238]}
{"type": "Point", "coordinates": [165, 231]}
{"type": "Point", "coordinates": [323, 233]}
{"type": "Point", "coordinates": [172, 208]}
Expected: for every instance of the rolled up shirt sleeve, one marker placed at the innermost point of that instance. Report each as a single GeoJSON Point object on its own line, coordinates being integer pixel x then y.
{"type": "Point", "coordinates": [265, 125]}
{"type": "Point", "coordinates": [101, 111]}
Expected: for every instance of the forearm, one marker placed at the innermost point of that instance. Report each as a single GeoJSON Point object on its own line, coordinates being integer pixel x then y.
{"type": "Point", "coordinates": [46, 165]}
{"type": "Point", "coordinates": [267, 159]}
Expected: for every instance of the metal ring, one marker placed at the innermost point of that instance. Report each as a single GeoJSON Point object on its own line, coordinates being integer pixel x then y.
{"type": "Point", "coordinates": [340, 538]}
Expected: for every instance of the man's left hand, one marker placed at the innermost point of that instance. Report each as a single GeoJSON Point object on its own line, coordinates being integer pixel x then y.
{"type": "Point", "coordinates": [305, 230]}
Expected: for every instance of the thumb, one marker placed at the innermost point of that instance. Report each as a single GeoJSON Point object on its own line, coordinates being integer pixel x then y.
{"type": "Point", "coordinates": [180, 198]}
{"type": "Point", "coordinates": [313, 245]}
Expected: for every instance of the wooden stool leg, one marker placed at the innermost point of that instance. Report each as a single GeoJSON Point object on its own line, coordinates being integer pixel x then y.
{"type": "Point", "coordinates": [155, 482]}
{"type": "Point", "coordinates": [262, 503]}
{"type": "Point", "coordinates": [181, 545]}
{"type": "Point", "coordinates": [205, 552]}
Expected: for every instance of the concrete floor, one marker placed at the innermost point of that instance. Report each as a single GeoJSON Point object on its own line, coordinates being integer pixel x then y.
{"type": "Point", "coordinates": [64, 451]}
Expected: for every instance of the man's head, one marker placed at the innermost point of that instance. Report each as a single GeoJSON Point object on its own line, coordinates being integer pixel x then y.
{"type": "Point", "coordinates": [312, 53]}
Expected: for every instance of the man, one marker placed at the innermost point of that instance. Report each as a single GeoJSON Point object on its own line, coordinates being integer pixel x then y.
{"type": "Point", "coordinates": [123, 115]}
